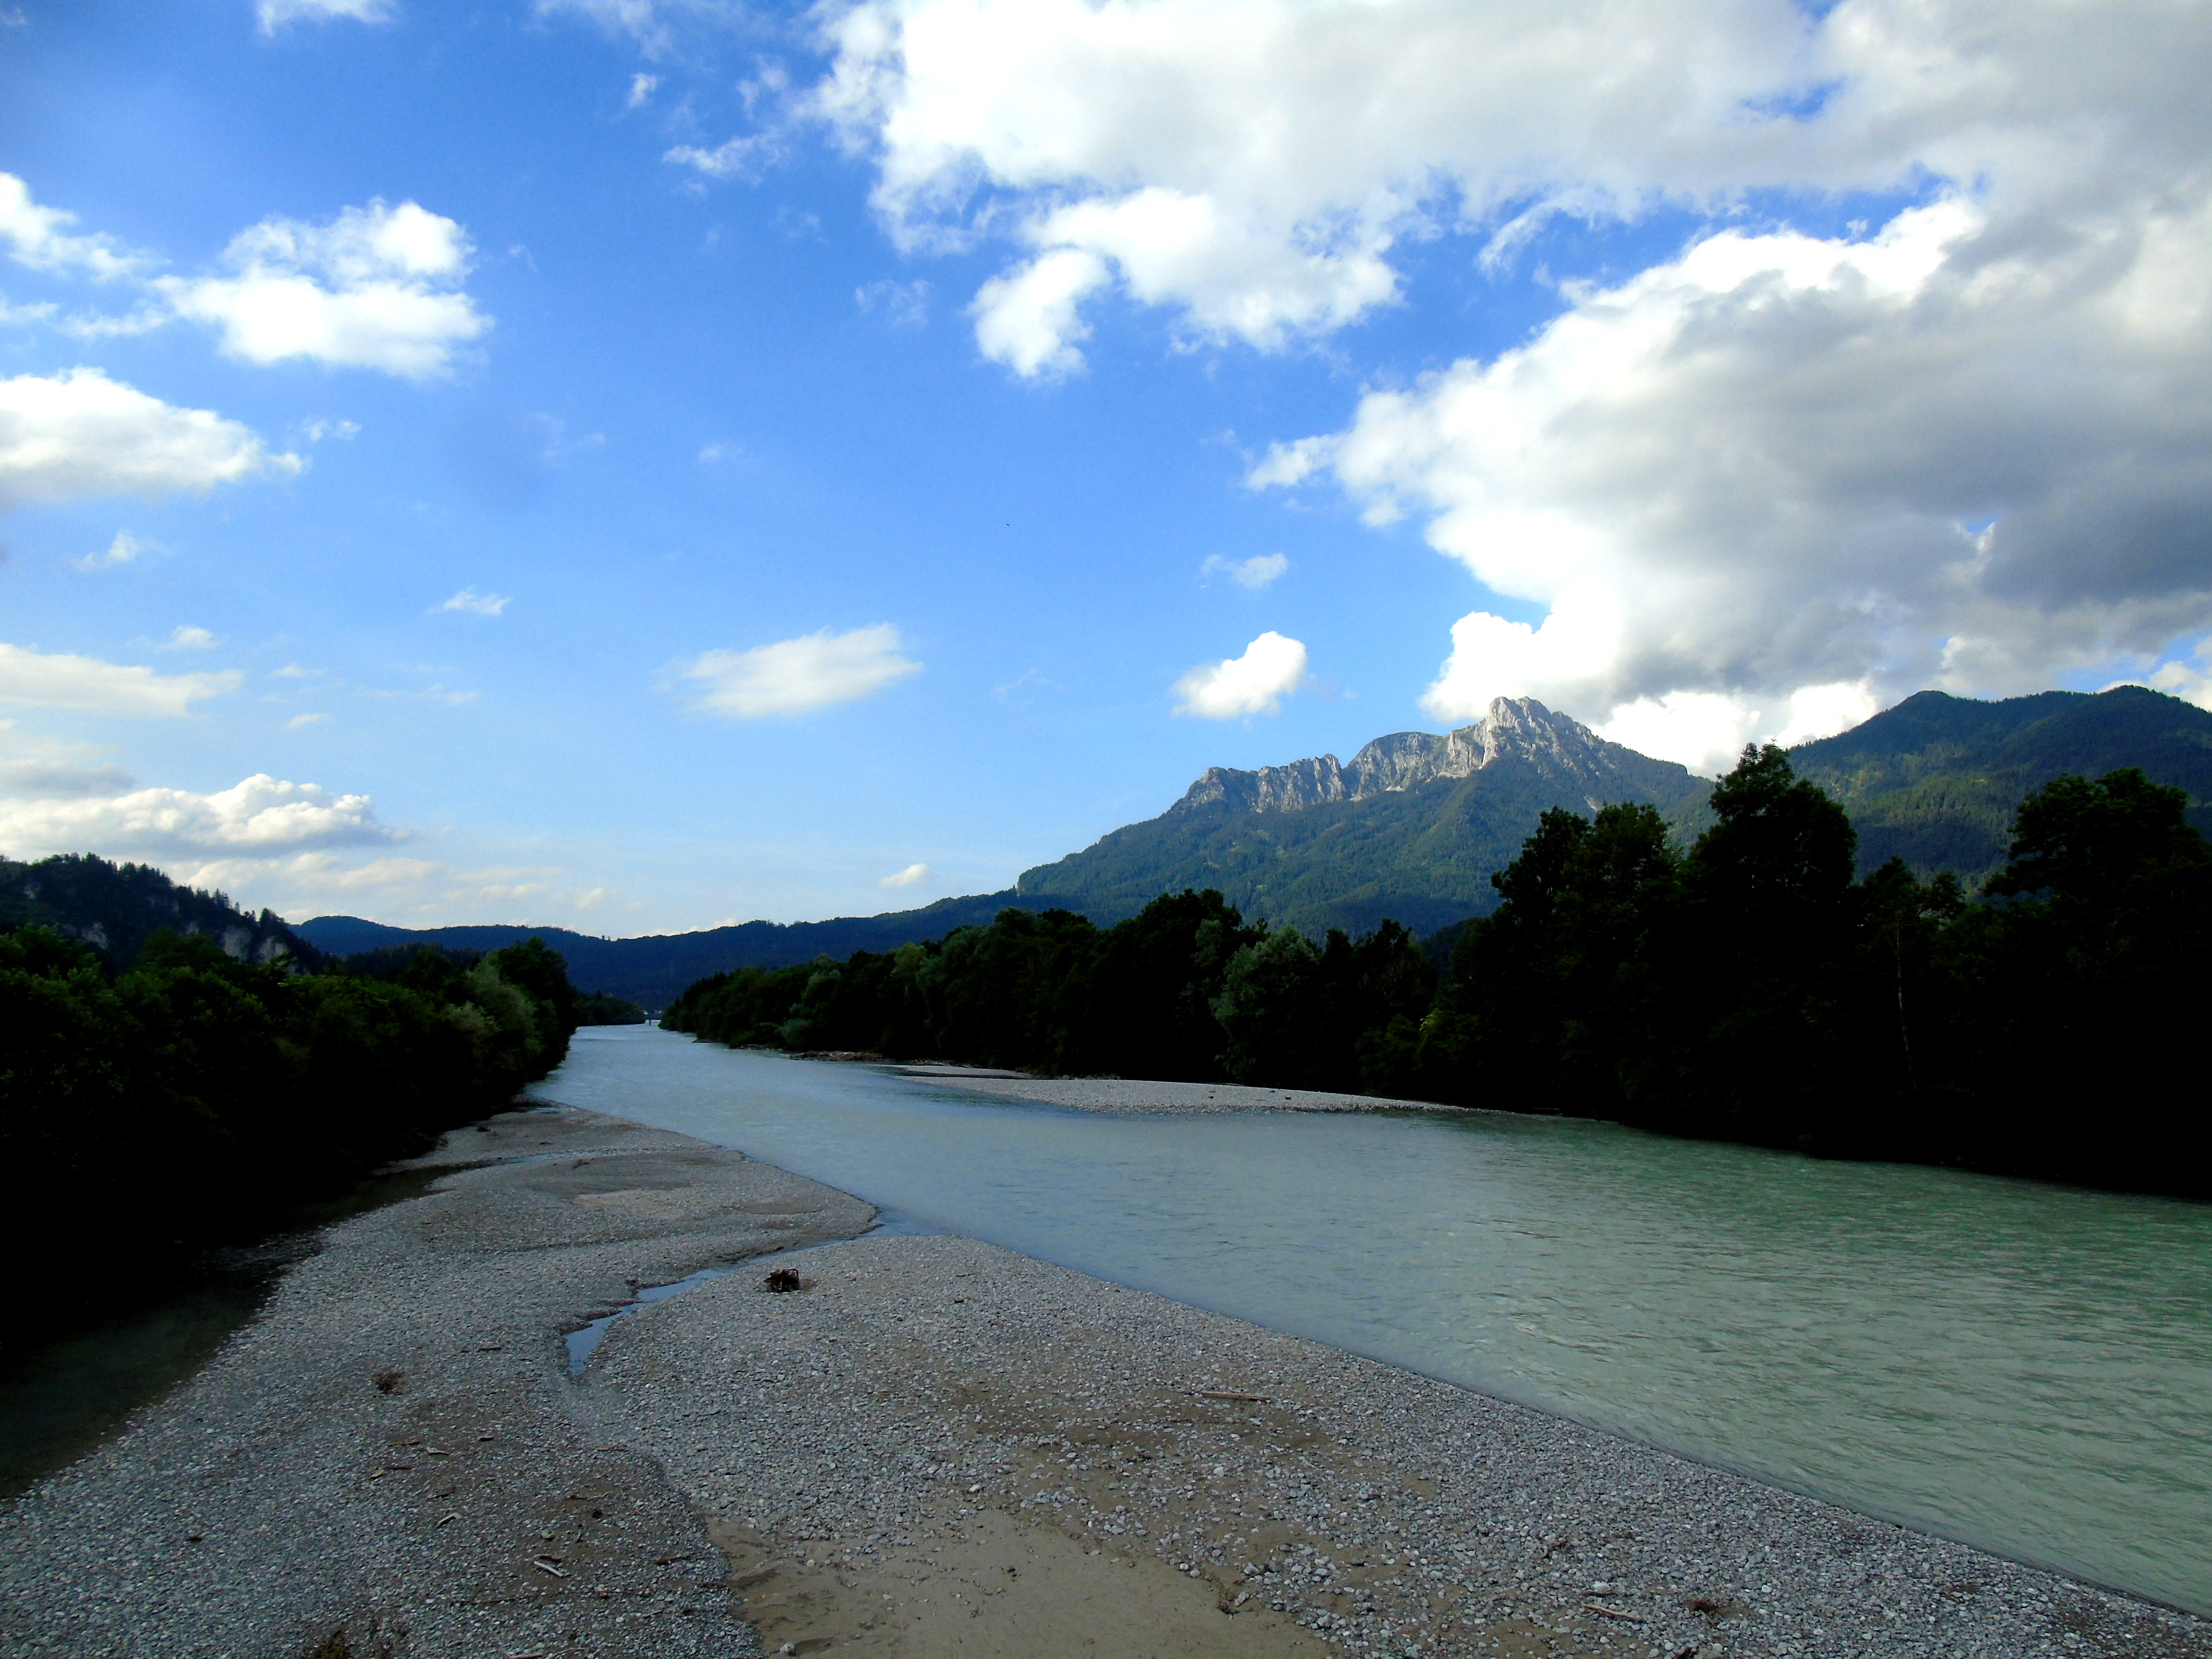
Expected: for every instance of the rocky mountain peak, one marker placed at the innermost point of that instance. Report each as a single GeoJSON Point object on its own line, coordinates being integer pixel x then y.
{"type": "Point", "coordinates": [1514, 729]}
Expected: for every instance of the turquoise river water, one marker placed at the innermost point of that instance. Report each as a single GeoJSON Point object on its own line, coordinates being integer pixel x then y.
{"type": "Point", "coordinates": [2020, 1366]}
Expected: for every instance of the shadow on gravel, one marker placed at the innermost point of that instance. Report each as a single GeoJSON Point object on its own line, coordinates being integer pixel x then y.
{"type": "Point", "coordinates": [74, 1369]}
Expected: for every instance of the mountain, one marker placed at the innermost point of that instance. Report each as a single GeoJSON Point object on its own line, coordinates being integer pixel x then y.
{"type": "Point", "coordinates": [1412, 825]}
{"type": "Point", "coordinates": [651, 969]}
{"type": "Point", "coordinates": [1410, 828]}
{"type": "Point", "coordinates": [1935, 779]}
{"type": "Point", "coordinates": [117, 908]}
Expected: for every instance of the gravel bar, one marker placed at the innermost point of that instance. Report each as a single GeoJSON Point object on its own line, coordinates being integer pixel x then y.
{"type": "Point", "coordinates": [932, 1447]}
{"type": "Point", "coordinates": [1122, 1096]}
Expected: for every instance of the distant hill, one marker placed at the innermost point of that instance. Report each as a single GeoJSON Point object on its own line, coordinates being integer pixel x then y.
{"type": "Point", "coordinates": [117, 908]}
{"type": "Point", "coordinates": [1410, 829]}
{"type": "Point", "coordinates": [651, 969]}
{"type": "Point", "coordinates": [1935, 779]}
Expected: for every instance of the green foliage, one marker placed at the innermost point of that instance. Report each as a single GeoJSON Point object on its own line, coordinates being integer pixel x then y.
{"type": "Point", "coordinates": [1754, 991]}
{"type": "Point", "coordinates": [1935, 779]}
{"type": "Point", "coordinates": [194, 1095]}
{"type": "Point", "coordinates": [117, 908]}
{"type": "Point", "coordinates": [1422, 855]}
{"type": "Point", "coordinates": [1749, 988]}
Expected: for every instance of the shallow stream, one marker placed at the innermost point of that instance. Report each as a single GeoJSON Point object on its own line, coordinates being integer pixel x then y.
{"type": "Point", "coordinates": [2020, 1366]}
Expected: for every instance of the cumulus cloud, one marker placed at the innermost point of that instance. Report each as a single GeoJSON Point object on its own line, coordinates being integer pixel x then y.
{"type": "Point", "coordinates": [1027, 318]}
{"type": "Point", "coordinates": [79, 434]}
{"type": "Point", "coordinates": [55, 680]}
{"type": "Point", "coordinates": [906, 878]}
{"type": "Point", "coordinates": [793, 676]}
{"type": "Point", "coordinates": [1256, 683]}
{"type": "Point", "coordinates": [1253, 165]}
{"type": "Point", "coordinates": [1772, 483]}
{"type": "Point", "coordinates": [379, 287]}
{"type": "Point", "coordinates": [275, 13]}
{"type": "Point", "coordinates": [469, 602]}
{"type": "Point", "coordinates": [38, 237]}
{"type": "Point", "coordinates": [1255, 573]}
{"type": "Point", "coordinates": [261, 816]}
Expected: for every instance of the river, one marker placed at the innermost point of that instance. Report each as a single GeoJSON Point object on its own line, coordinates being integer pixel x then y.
{"type": "Point", "coordinates": [2016, 1366]}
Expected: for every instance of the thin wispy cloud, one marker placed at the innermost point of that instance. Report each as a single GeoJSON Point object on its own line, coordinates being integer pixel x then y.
{"type": "Point", "coordinates": [469, 602]}
{"type": "Point", "coordinates": [796, 676]}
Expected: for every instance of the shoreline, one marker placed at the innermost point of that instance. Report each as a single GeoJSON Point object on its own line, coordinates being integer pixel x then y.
{"type": "Point", "coordinates": [1128, 1097]}
{"type": "Point", "coordinates": [935, 1446]}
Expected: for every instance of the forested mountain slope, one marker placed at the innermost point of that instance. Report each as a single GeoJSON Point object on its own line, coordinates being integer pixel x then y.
{"type": "Point", "coordinates": [116, 908]}
{"type": "Point", "coordinates": [1935, 779]}
{"type": "Point", "coordinates": [1410, 829]}
{"type": "Point", "coordinates": [651, 969]}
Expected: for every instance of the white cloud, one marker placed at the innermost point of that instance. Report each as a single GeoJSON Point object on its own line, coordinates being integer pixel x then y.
{"type": "Point", "coordinates": [44, 680]}
{"type": "Point", "coordinates": [274, 14]}
{"type": "Point", "coordinates": [1256, 683]}
{"type": "Point", "coordinates": [297, 721]}
{"type": "Point", "coordinates": [79, 434]}
{"type": "Point", "coordinates": [906, 878]}
{"type": "Point", "coordinates": [793, 676]}
{"type": "Point", "coordinates": [1253, 165]}
{"type": "Point", "coordinates": [470, 603]}
{"type": "Point", "coordinates": [126, 548]}
{"type": "Point", "coordinates": [642, 87]}
{"type": "Point", "coordinates": [185, 638]}
{"type": "Point", "coordinates": [38, 768]}
{"type": "Point", "coordinates": [735, 158]}
{"type": "Point", "coordinates": [1967, 450]}
{"type": "Point", "coordinates": [261, 816]}
{"type": "Point", "coordinates": [393, 887]}
{"type": "Point", "coordinates": [2189, 678]}
{"type": "Point", "coordinates": [1027, 318]}
{"type": "Point", "coordinates": [377, 287]}
{"type": "Point", "coordinates": [35, 236]}
{"type": "Point", "coordinates": [635, 18]}
{"type": "Point", "coordinates": [904, 304]}
{"type": "Point", "coordinates": [1255, 573]}
{"type": "Point", "coordinates": [318, 429]}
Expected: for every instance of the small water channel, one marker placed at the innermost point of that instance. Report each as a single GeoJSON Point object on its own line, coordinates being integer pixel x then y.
{"type": "Point", "coordinates": [2021, 1366]}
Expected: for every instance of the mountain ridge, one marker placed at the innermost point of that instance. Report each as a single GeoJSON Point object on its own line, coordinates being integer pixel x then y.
{"type": "Point", "coordinates": [1409, 830]}
{"type": "Point", "coordinates": [1319, 842]}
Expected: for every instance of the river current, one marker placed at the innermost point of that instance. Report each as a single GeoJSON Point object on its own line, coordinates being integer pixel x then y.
{"type": "Point", "coordinates": [2020, 1366]}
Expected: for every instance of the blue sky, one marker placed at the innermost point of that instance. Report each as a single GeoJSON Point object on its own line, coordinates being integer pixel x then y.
{"type": "Point", "coordinates": [632, 465]}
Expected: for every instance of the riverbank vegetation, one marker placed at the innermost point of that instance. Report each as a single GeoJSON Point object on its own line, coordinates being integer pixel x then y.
{"type": "Point", "coordinates": [1748, 988]}
{"type": "Point", "coordinates": [192, 1096]}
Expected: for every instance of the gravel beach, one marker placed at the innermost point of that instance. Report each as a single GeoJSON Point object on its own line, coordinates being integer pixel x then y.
{"type": "Point", "coordinates": [931, 1447]}
{"type": "Point", "coordinates": [1122, 1096]}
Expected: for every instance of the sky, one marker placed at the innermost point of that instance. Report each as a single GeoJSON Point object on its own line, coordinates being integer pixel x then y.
{"type": "Point", "coordinates": [638, 464]}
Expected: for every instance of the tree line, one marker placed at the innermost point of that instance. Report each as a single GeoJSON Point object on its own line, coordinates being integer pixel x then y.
{"type": "Point", "coordinates": [1750, 987]}
{"type": "Point", "coordinates": [190, 1097]}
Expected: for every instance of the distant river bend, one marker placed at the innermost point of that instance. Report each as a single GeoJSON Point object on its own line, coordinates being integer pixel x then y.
{"type": "Point", "coordinates": [2023, 1367]}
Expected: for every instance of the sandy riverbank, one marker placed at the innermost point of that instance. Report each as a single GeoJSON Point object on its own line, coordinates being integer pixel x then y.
{"type": "Point", "coordinates": [935, 1447]}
